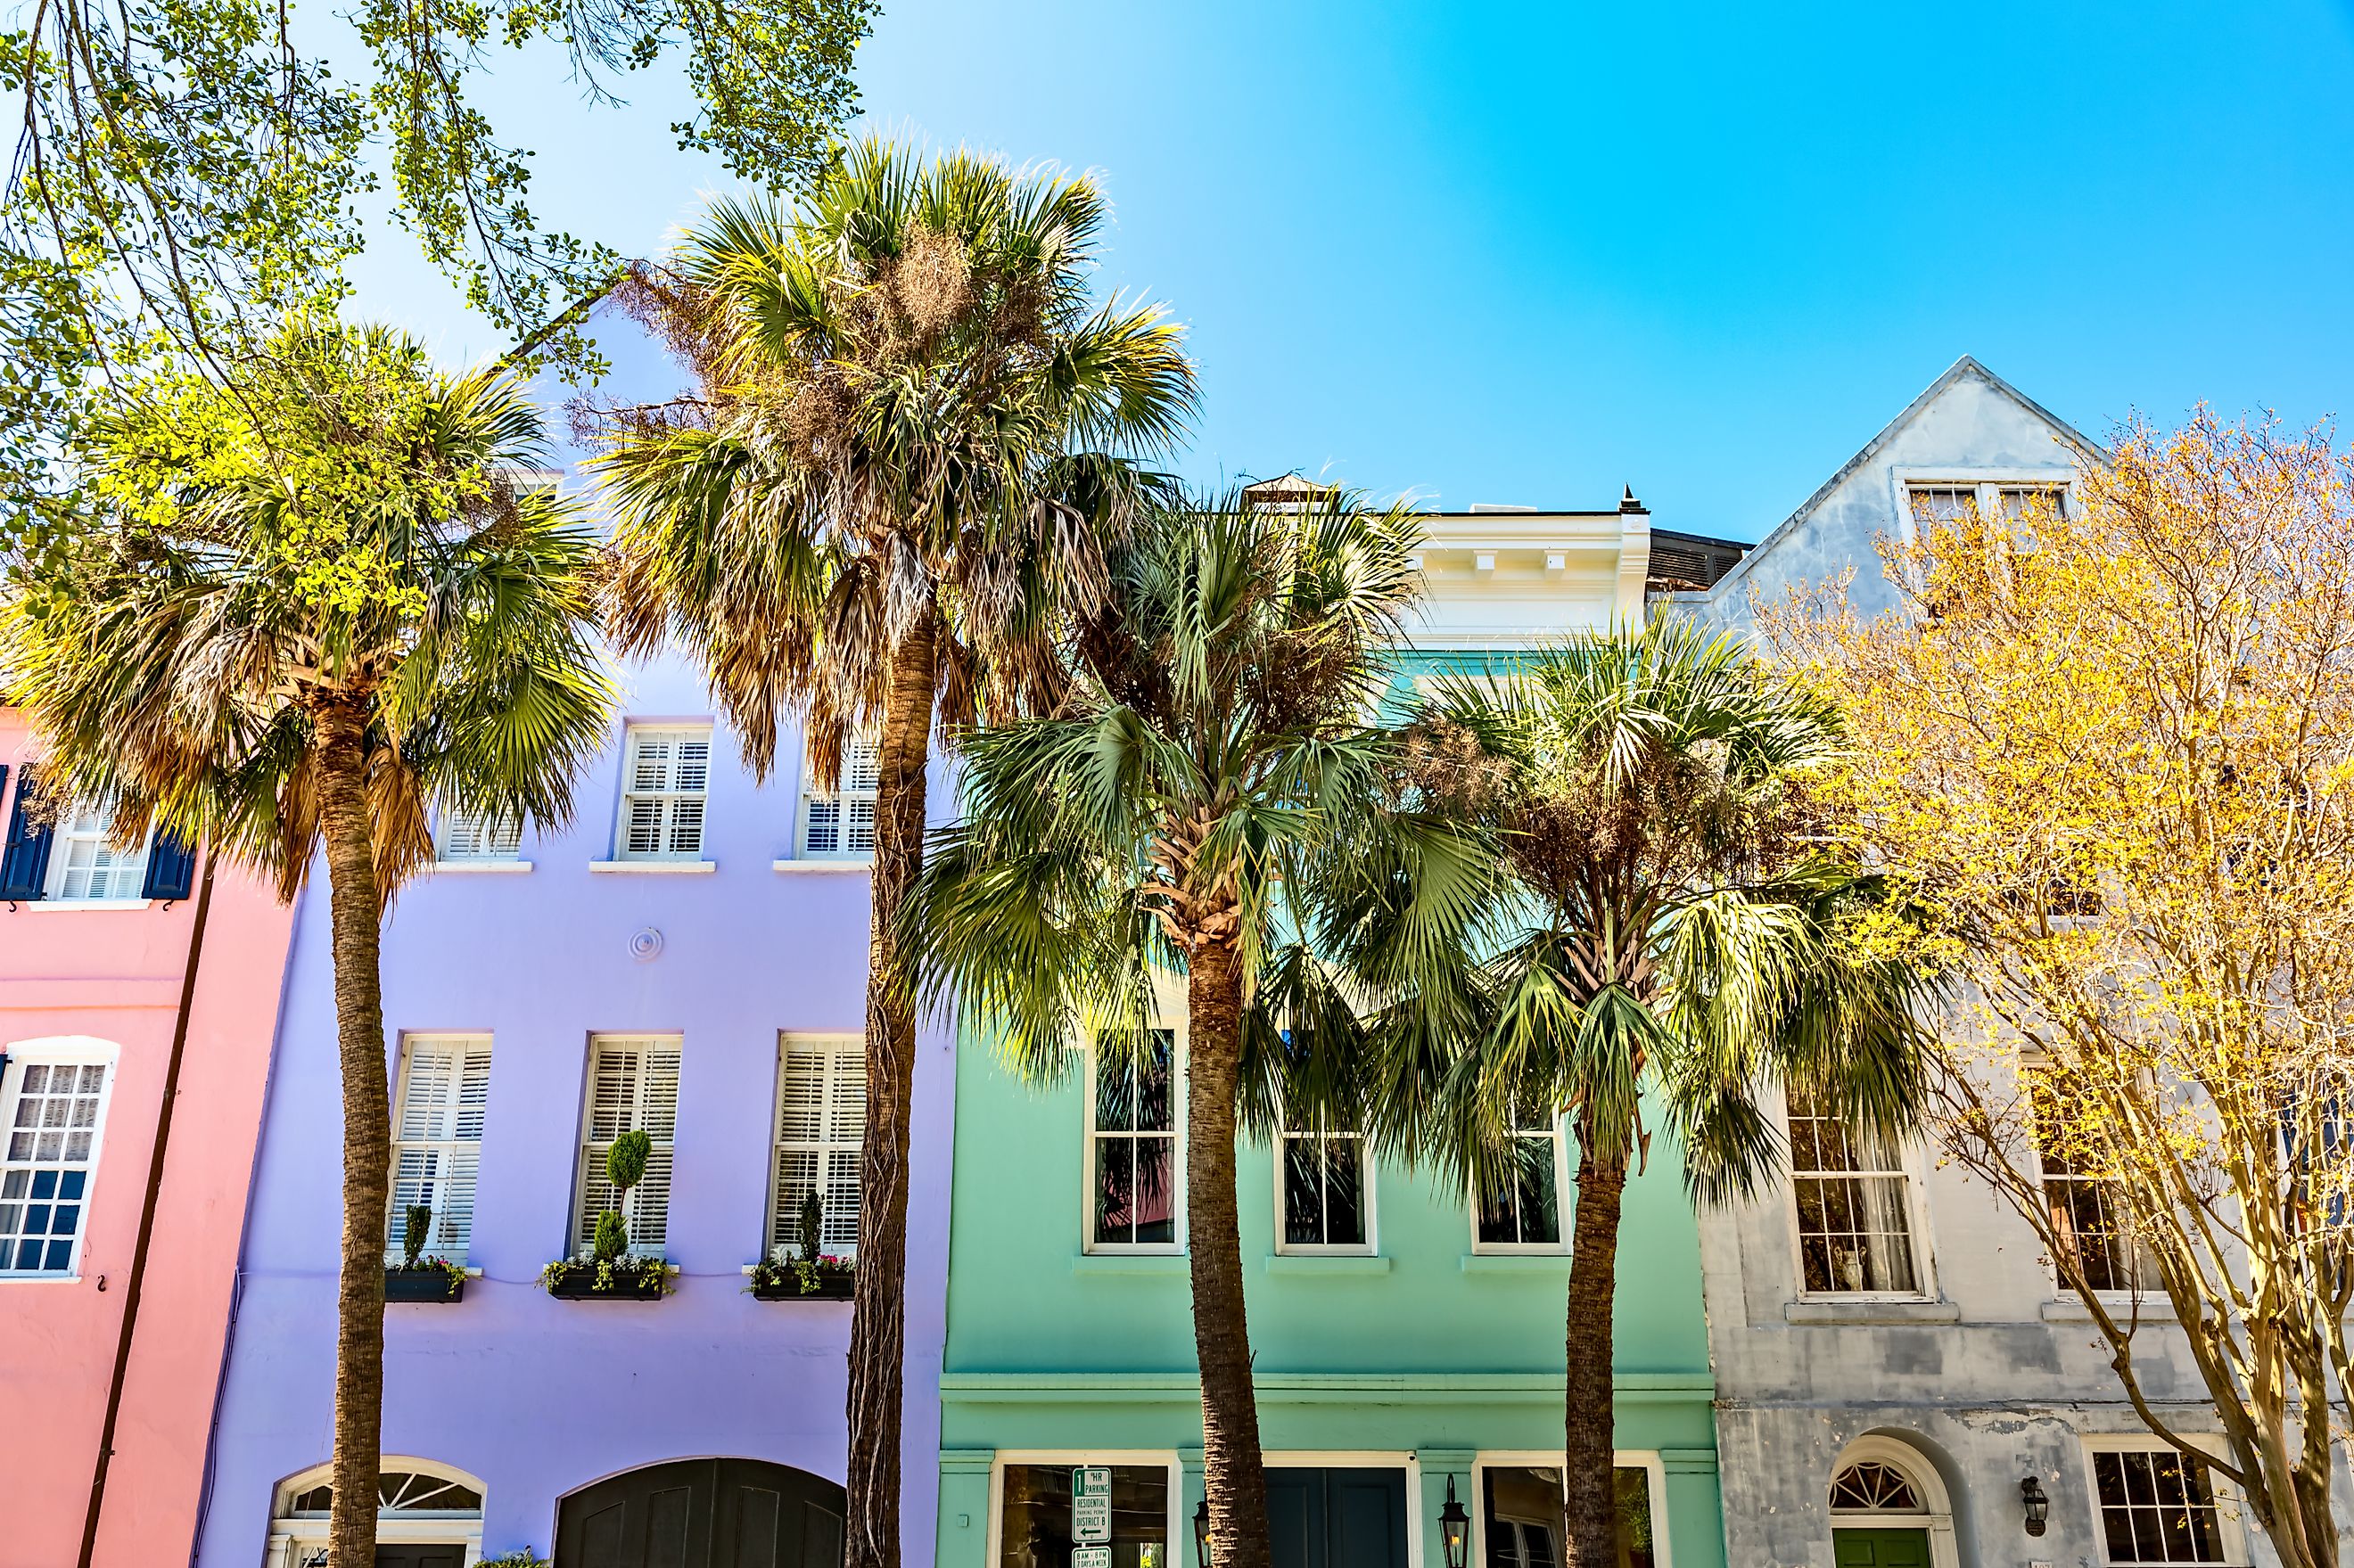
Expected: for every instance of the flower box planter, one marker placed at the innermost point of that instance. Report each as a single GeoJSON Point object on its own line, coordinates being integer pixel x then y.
{"type": "Point", "coordinates": [433, 1286]}
{"type": "Point", "coordinates": [829, 1288]}
{"type": "Point", "coordinates": [577, 1282]}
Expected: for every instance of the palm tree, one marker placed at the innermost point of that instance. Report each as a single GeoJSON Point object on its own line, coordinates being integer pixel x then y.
{"type": "Point", "coordinates": [1670, 931]}
{"type": "Point", "coordinates": [1210, 798]}
{"type": "Point", "coordinates": [298, 619]}
{"type": "Point", "coordinates": [911, 438]}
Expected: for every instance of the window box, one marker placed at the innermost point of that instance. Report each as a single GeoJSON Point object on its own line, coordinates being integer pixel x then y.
{"type": "Point", "coordinates": [432, 1282]}
{"type": "Point", "coordinates": [624, 1279]}
{"type": "Point", "coordinates": [787, 1279]}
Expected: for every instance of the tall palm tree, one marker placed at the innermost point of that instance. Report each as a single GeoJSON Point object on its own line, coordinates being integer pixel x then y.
{"type": "Point", "coordinates": [298, 620]}
{"type": "Point", "coordinates": [1209, 797]}
{"type": "Point", "coordinates": [1669, 930]}
{"type": "Point", "coordinates": [912, 435]}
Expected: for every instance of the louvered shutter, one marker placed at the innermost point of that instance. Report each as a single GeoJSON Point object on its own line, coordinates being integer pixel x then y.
{"type": "Point", "coordinates": [25, 864]}
{"type": "Point", "coordinates": [438, 1136]}
{"type": "Point", "coordinates": [632, 1085]}
{"type": "Point", "coordinates": [821, 1118]}
{"type": "Point", "coordinates": [171, 868]}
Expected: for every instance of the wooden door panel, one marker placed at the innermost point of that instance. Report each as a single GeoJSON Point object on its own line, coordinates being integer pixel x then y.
{"type": "Point", "coordinates": [703, 1513]}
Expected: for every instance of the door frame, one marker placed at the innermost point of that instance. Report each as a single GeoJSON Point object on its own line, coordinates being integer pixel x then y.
{"type": "Point", "coordinates": [1364, 1459]}
{"type": "Point", "coordinates": [1648, 1460]}
{"type": "Point", "coordinates": [1936, 1515]}
{"type": "Point", "coordinates": [1165, 1457]}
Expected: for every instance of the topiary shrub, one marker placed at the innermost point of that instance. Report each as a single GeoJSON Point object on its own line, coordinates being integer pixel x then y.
{"type": "Point", "coordinates": [612, 1236]}
{"type": "Point", "coordinates": [812, 1228]}
{"type": "Point", "coordinates": [625, 1161]}
{"type": "Point", "coordinates": [415, 1234]}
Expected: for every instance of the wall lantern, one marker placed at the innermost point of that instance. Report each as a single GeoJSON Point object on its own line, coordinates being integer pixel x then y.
{"type": "Point", "coordinates": [2039, 1507]}
{"type": "Point", "coordinates": [1455, 1528]}
{"type": "Point", "coordinates": [1202, 1534]}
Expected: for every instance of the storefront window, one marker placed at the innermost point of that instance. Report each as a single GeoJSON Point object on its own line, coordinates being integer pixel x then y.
{"type": "Point", "coordinates": [1523, 1522]}
{"type": "Point", "coordinates": [1035, 1528]}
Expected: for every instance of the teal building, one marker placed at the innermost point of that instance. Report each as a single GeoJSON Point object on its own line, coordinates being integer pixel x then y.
{"type": "Point", "coordinates": [1407, 1335]}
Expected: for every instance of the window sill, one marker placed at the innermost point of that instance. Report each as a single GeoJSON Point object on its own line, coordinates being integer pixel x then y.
{"type": "Point", "coordinates": [2071, 1310]}
{"type": "Point", "coordinates": [822, 867]}
{"type": "Point", "coordinates": [40, 1279]}
{"type": "Point", "coordinates": [1163, 1265]}
{"type": "Point", "coordinates": [64, 906]}
{"type": "Point", "coordinates": [1530, 1263]}
{"type": "Point", "coordinates": [1871, 1311]}
{"type": "Point", "coordinates": [1327, 1263]}
{"type": "Point", "coordinates": [480, 867]}
{"type": "Point", "coordinates": [655, 867]}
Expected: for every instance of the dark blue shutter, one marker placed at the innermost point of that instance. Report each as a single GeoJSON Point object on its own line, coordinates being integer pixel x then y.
{"type": "Point", "coordinates": [25, 866]}
{"type": "Point", "coordinates": [171, 868]}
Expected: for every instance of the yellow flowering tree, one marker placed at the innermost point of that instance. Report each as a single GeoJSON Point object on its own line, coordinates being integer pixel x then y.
{"type": "Point", "coordinates": [2114, 747]}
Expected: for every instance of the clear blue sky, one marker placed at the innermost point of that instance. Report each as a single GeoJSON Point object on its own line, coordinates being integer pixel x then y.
{"type": "Point", "coordinates": [1525, 253]}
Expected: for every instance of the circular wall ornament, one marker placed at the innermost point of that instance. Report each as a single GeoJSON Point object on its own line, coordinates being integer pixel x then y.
{"type": "Point", "coordinates": [646, 945]}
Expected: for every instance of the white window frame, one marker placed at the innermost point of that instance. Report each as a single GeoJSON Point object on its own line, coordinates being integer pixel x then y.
{"type": "Point", "coordinates": [451, 853]}
{"type": "Point", "coordinates": [1366, 1171]}
{"type": "Point", "coordinates": [2029, 1063]}
{"type": "Point", "coordinates": [783, 1229]}
{"type": "Point", "coordinates": [2230, 1507]}
{"type": "Point", "coordinates": [643, 1045]}
{"type": "Point", "coordinates": [73, 1051]}
{"type": "Point", "coordinates": [1987, 483]}
{"type": "Point", "coordinates": [1088, 1134]}
{"type": "Point", "coordinates": [1561, 1202]}
{"type": "Point", "coordinates": [1139, 1458]}
{"type": "Point", "coordinates": [1648, 1460]}
{"type": "Point", "coordinates": [64, 833]}
{"type": "Point", "coordinates": [633, 735]}
{"type": "Point", "coordinates": [841, 800]}
{"type": "Point", "coordinates": [1937, 1512]}
{"type": "Point", "coordinates": [450, 1146]}
{"type": "Point", "coordinates": [1916, 1223]}
{"type": "Point", "coordinates": [300, 1540]}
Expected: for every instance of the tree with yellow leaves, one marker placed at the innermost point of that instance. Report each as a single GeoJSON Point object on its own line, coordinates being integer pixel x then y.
{"type": "Point", "coordinates": [2113, 745]}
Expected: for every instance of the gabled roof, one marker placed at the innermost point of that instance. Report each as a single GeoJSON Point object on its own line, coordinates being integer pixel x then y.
{"type": "Point", "coordinates": [1966, 365]}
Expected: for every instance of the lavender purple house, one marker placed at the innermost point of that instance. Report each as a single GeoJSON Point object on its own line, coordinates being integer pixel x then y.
{"type": "Point", "coordinates": [689, 958]}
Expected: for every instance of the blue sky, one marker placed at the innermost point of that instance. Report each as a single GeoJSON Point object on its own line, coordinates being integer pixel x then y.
{"type": "Point", "coordinates": [1527, 253]}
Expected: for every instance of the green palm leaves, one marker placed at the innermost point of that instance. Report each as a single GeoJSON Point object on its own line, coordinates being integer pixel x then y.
{"type": "Point", "coordinates": [355, 529]}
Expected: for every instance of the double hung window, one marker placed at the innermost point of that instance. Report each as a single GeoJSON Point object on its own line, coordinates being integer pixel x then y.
{"type": "Point", "coordinates": [84, 864]}
{"type": "Point", "coordinates": [820, 1122]}
{"type": "Point", "coordinates": [1518, 1209]}
{"type": "Point", "coordinates": [1326, 1180]}
{"type": "Point", "coordinates": [2086, 1206]}
{"type": "Point", "coordinates": [54, 1113]}
{"type": "Point", "coordinates": [1132, 1147]}
{"type": "Point", "coordinates": [632, 1087]}
{"type": "Point", "coordinates": [2156, 1509]}
{"type": "Point", "coordinates": [445, 1083]}
{"type": "Point", "coordinates": [839, 823]}
{"type": "Point", "coordinates": [1854, 1207]}
{"type": "Point", "coordinates": [665, 780]}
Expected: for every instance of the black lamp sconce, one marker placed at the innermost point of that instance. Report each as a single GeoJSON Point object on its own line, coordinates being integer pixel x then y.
{"type": "Point", "coordinates": [2037, 1506]}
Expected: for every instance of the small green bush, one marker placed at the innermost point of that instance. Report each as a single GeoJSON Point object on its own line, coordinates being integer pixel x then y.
{"type": "Point", "coordinates": [625, 1162]}
{"type": "Point", "coordinates": [612, 1236]}
{"type": "Point", "coordinates": [415, 1234]}
{"type": "Point", "coordinates": [813, 1227]}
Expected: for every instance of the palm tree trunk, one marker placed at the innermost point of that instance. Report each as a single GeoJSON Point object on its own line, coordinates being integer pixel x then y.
{"type": "Point", "coordinates": [1590, 1526]}
{"type": "Point", "coordinates": [1232, 1470]}
{"type": "Point", "coordinates": [878, 1322]}
{"type": "Point", "coordinates": [353, 916]}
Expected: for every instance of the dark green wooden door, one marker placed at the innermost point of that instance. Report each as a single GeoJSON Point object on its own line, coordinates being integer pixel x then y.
{"type": "Point", "coordinates": [703, 1513]}
{"type": "Point", "coordinates": [1881, 1548]}
{"type": "Point", "coordinates": [420, 1557]}
{"type": "Point", "coordinates": [1337, 1519]}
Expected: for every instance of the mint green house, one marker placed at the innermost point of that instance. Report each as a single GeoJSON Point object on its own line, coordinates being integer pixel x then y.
{"type": "Point", "coordinates": [1408, 1337]}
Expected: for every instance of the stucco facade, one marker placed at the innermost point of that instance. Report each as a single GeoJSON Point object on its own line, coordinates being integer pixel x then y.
{"type": "Point", "coordinates": [518, 1396]}
{"type": "Point", "coordinates": [1941, 1348]}
{"type": "Point", "coordinates": [1385, 1368]}
{"type": "Point", "coordinates": [92, 991]}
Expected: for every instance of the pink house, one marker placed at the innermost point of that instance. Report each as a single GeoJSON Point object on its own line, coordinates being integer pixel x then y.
{"type": "Point", "coordinates": [112, 965]}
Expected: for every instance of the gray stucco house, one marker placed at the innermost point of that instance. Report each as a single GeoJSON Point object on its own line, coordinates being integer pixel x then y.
{"type": "Point", "coordinates": [1894, 1359]}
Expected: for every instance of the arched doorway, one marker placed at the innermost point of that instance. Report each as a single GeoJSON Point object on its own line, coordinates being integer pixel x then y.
{"type": "Point", "coordinates": [701, 1513]}
{"type": "Point", "coordinates": [427, 1515]}
{"type": "Point", "coordinates": [1889, 1508]}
